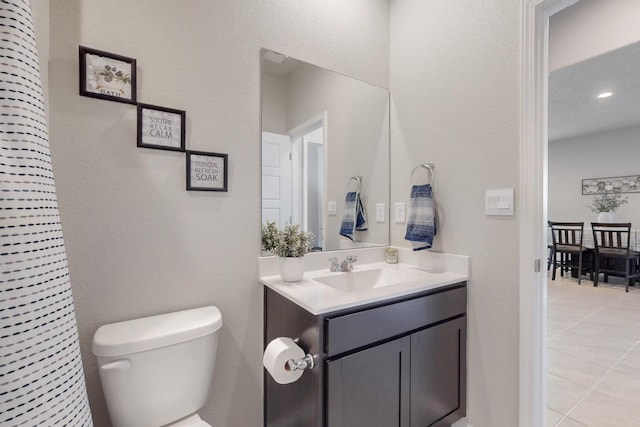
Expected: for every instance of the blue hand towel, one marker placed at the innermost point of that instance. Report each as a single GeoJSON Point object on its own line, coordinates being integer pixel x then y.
{"type": "Point", "coordinates": [353, 216]}
{"type": "Point", "coordinates": [421, 224]}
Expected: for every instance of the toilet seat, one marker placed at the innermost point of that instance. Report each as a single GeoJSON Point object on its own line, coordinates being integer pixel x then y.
{"type": "Point", "coordinates": [191, 421]}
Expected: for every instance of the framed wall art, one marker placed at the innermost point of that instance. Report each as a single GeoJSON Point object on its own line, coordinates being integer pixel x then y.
{"type": "Point", "coordinates": [160, 127]}
{"type": "Point", "coordinates": [107, 76]}
{"type": "Point", "coordinates": [615, 184]}
{"type": "Point", "coordinates": [206, 171]}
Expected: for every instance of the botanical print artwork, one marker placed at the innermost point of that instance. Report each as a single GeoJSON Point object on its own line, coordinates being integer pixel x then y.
{"type": "Point", "coordinates": [108, 76]}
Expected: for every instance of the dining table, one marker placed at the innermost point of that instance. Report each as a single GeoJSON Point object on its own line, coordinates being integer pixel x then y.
{"type": "Point", "coordinates": [587, 242]}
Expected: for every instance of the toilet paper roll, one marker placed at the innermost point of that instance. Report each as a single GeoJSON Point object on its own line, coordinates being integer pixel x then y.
{"type": "Point", "coordinates": [275, 358]}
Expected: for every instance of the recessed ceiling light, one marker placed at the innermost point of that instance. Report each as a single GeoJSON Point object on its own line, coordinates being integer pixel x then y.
{"type": "Point", "coordinates": [604, 95]}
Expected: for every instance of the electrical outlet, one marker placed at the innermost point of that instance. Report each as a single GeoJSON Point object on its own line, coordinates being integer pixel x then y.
{"type": "Point", "coordinates": [380, 214]}
{"type": "Point", "coordinates": [331, 207]}
{"type": "Point", "coordinates": [400, 216]}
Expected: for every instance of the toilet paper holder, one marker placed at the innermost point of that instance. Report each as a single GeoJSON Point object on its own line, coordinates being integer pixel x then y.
{"type": "Point", "coordinates": [306, 362]}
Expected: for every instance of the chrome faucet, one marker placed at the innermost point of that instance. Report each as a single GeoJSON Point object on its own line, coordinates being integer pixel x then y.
{"type": "Point", "coordinates": [346, 265]}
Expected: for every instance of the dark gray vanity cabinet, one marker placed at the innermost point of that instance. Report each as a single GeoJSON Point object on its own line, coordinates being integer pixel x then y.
{"type": "Point", "coordinates": [371, 387]}
{"type": "Point", "coordinates": [438, 374]}
{"type": "Point", "coordinates": [401, 362]}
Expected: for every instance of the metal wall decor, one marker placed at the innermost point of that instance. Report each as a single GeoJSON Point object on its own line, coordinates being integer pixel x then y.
{"type": "Point", "coordinates": [616, 184]}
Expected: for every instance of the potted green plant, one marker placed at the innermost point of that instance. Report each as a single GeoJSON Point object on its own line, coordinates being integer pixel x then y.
{"type": "Point", "coordinates": [606, 205]}
{"type": "Point", "coordinates": [290, 244]}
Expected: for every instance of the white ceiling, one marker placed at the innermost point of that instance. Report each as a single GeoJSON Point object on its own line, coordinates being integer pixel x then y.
{"type": "Point", "coordinates": [574, 109]}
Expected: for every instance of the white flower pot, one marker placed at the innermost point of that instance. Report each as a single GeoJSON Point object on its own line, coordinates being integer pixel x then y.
{"type": "Point", "coordinates": [607, 217]}
{"type": "Point", "coordinates": [292, 269]}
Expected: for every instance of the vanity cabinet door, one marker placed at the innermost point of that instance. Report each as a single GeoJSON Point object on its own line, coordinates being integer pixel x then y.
{"type": "Point", "coordinates": [438, 372]}
{"type": "Point", "coordinates": [370, 388]}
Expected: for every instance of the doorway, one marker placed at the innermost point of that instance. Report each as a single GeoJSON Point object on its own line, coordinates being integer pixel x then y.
{"type": "Point", "coordinates": [307, 150]}
{"type": "Point", "coordinates": [533, 208]}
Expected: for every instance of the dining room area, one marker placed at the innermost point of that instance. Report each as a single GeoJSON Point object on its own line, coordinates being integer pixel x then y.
{"type": "Point", "coordinates": [593, 172]}
{"type": "Point", "coordinates": [593, 240]}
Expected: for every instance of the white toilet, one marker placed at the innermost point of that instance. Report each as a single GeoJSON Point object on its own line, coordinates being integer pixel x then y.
{"type": "Point", "coordinates": [157, 371]}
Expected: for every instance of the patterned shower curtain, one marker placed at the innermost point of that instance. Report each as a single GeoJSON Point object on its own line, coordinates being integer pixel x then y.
{"type": "Point", "coordinates": [41, 377]}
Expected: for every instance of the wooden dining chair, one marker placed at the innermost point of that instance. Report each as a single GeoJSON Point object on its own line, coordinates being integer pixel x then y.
{"type": "Point", "coordinates": [614, 255]}
{"type": "Point", "coordinates": [567, 244]}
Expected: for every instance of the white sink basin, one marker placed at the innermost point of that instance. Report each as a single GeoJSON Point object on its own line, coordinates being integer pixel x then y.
{"type": "Point", "coordinates": [357, 281]}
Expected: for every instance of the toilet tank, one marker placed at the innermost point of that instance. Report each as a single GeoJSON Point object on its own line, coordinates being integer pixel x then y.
{"type": "Point", "coordinates": [158, 369]}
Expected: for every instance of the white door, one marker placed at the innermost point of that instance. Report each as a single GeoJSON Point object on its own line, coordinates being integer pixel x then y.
{"type": "Point", "coordinates": [276, 178]}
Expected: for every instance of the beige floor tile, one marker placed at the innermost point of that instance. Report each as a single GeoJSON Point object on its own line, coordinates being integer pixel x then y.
{"type": "Point", "coordinates": [575, 369]}
{"type": "Point", "coordinates": [601, 410]}
{"type": "Point", "coordinates": [568, 422]}
{"type": "Point", "coordinates": [598, 349]}
{"type": "Point", "coordinates": [593, 339]}
{"type": "Point", "coordinates": [553, 417]}
{"type": "Point", "coordinates": [630, 363]}
{"type": "Point", "coordinates": [598, 328]}
{"type": "Point", "coordinates": [562, 394]}
{"type": "Point", "coordinates": [620, 386]}
{"type": "Point", "coordinates": [560, 321]}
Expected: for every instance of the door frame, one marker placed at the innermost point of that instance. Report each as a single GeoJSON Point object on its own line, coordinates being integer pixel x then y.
{"type": "Point", "coordinates": [533, 207]}
{"type": "Point", "coordinates": [298, 131]}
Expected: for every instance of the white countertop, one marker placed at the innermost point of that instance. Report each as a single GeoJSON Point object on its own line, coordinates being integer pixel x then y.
{"type": "Point", "coordinates": [420, 271]}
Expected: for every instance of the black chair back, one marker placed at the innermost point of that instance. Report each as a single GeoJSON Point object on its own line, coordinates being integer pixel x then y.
{"type": "Point", "coordinates": [613, 252]}
{"type": "Point", "coordinates": [567, 235]}
{"type": "Point", "coordinates": [612, 238]}
{"type": "Point", "coordinates": [567, 246]}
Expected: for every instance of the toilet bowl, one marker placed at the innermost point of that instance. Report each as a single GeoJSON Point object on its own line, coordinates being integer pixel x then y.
{"type": "Point", "coordinates": [157, 371]}
{"type": "Point", "coordinates": [191, 421]}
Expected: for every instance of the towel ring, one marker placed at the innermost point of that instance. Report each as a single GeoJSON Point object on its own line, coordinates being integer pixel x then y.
{"type": "Point", "coordinates": [358, 180]}
{"type": "Point", "coordinates": [429, 167]}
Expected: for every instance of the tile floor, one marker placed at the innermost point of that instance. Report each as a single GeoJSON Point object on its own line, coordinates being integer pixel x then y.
{"type": "Point", "coordinates": [593, 350]}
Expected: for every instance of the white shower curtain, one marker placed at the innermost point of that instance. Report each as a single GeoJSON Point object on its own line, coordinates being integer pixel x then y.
{"type": "Point", "coordinates": [41, 377]}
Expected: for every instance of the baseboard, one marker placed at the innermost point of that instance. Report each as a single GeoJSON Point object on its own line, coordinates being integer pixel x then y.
{"type": "Point", "coordinates": [461, 423]}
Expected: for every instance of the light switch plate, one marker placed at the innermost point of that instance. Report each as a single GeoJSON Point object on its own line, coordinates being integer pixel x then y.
{"type": "Point", "coordinates": [331, 207]}
{"type": "Point", "coordinates": [499, 201]}
{"type": "Point", "coordinates": [380, 216]}
{"type": "Point", "coordinates": [400, 213]}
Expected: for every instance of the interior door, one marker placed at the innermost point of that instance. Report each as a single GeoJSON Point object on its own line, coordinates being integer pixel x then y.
{"type": "Point", "coordinates": [276, 178]}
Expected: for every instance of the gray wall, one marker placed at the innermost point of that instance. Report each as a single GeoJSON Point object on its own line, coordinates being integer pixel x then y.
{"type": "Point", "coordinates": [138, 243]}
{"type": "Point", "coordinates": [455, 90]}
{"type": "Point", "coordinates": [600, 155]}
{"type": "Point", "coordinates": [590, 28]}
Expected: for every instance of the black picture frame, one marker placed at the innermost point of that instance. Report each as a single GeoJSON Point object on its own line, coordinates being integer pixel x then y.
{"type": "Point", "coordinates": [107, 76]}
{"type": "Point", "coordinates": [161, 128]}
{"type": "Point", "coordinates": [203, 171]}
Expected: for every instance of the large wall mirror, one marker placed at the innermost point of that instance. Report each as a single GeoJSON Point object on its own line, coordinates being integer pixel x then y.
{"type": "Point", "coordinates": [324, 135]}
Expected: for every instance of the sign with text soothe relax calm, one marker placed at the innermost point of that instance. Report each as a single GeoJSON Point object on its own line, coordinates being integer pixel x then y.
{"type": "Point", "coordinates": [161, 128]}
